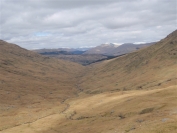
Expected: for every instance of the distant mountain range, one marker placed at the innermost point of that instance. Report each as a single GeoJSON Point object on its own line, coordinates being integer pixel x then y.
{"type": "Point", "coordinates": [61, 51]}
{"type": "Point", "coordinates": [86, 56]}
{"type": "Point", "coordinates": [110, 49]}
{"type": "Point", "coordinates": [115, 50]}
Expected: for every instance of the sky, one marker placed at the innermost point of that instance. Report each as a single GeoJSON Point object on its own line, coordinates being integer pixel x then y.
{"type": "Point", "coordinates": [36, 24]}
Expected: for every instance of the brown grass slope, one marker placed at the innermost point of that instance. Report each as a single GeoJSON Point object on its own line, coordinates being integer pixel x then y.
{"type": "Point", "coordinates": [135, 93]}
{"type": "Point", "coordinates": [152, 67]}
{"type": "Point", "coordinates": [32, 86]}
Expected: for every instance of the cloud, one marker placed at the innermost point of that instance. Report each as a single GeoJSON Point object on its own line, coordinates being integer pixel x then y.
{"type": "Point", "coordinates": [76, 23]}
{"type": "Point", "coordinates": [42, 34]}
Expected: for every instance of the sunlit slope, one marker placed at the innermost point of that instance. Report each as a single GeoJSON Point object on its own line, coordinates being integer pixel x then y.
{"type": "Point", "coordinates": [32, 86]}
{"type": "Point", "coordinates": [135, 93]}
{"type": "Point", "coordinates": [152, 67]}
{"type": "Point", "coordinates": [137, 111]}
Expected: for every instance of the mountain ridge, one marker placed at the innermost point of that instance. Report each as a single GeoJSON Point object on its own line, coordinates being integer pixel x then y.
{"type": "Point", "coordinates": [31, 84]}
{"type": "Point", "coordinates": [134, 93]}
{"type": "Point", "coordinates": [115, 50]}
{"type": "Point", "coordinates": [154, 59]}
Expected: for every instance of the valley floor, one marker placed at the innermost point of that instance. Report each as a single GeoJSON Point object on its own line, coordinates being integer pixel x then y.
{"type": "Point", "coordinates": [138, 111]}
{"type": "Point", "coordinates": [134, 93]}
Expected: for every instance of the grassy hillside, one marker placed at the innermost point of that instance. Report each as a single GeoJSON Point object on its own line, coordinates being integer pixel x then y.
{"type": "Point", "coordinates": [152, 67]}
{"type": "Point", "coordinates": [137, 111]}
{"type": "Point", "coordinates": [134, 93]}
{"type": "Point", "coordinates": [32, 86]}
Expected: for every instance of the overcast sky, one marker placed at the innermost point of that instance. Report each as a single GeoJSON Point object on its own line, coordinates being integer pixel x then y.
{"type": "Point", "coordinates": [36, 24]}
